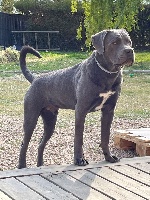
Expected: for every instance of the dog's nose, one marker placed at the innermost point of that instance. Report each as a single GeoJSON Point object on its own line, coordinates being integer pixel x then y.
{"type": "Point", "coordinates": [129, 51]}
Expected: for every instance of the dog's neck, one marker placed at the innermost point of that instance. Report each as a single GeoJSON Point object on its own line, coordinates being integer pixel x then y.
{"type": "Point", "coordinates": [104, 64]}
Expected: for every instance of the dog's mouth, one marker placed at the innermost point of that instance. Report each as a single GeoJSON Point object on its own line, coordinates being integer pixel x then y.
{"type": "Point", "coordinates": [118, 67]}
{"type": "Point", "coordinates": [127, 63]}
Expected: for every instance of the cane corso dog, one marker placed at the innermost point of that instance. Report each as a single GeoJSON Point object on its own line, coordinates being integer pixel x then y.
{"type": "Point", "coordinates": [92, 85]}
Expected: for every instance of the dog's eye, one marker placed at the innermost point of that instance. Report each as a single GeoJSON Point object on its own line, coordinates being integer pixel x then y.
{"type": "Point", "coordinates": [128, 42]}
{"type": "Point", "coordinates": [115, 43]}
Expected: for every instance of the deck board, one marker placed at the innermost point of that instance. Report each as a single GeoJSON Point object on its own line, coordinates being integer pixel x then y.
{"type": "Point", "coordinates": [128, 179]}
{"type": "Point", "coordinates": [104, 185]}
{"type": "Point", "coordinates": [46, 188]}
{"type": "Point", "coordinates": [130, 185]}
{"type": "Point", "coordinates": [76, 187]}
{"type": "Point", "coordinates": [17, 190]}
{"type": "Point", "coordinates": [4, 196]}
{"type": "Point", "coordinates": [135, 174]}
{"type": "Point", "coordinates": [145, 167]}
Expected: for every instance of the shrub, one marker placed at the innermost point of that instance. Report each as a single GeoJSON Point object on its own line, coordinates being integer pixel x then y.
{"type": "Point", "coordinates": [9, 55]}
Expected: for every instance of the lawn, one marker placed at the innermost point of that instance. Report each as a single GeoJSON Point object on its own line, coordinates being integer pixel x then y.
{"type": "Point", "coordinates": [58, 60]}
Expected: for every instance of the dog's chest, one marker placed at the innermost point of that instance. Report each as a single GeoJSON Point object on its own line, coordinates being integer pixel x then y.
{"type": "Point", "coordinates": [104, 97]}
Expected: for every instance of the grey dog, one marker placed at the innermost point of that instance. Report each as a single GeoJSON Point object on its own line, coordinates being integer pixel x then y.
{"type": "Point", "coordinates": [91, 85]}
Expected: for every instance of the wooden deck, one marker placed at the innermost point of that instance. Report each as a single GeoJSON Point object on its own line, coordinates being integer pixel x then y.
{"type": "Point", "coordinates": [128, 179]}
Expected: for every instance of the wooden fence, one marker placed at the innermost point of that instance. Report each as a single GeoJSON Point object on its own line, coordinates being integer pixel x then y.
{"type": "Point", "coordinates": [8, 23]}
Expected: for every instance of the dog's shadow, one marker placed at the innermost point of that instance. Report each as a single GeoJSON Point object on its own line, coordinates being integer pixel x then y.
{"type": "Point", "coordinates": [79, 184]}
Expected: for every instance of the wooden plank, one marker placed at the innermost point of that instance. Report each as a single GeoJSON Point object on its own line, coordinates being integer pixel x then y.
{"type": "Point", "coordinates": [19, 172]}
{"type": "Point", "coordinates": [138, 139]}
{"type": "Point", "coordinates": [60, 168]}
{"type": "Point", "coordinates": [142, 132]}
{"type": "Point", "coordinates": [109, 188]}
{"type": "Point", "coordinates": [79, 189]}
{"type": "Point", "coordinates": [133, 130]}
{"type": "Point", "coordinates": [145, 167]}
{"type": "Point", "coordinates": [123, 181]}
{"type": "Point", "coordinates": [143, 149]}
{"type": "Point", "coordinates": [134, 174]}
{"type": "Point", "coordinates": [17, 190]}
{"type": "Point", "coordinates": [4, 196]}
{"type": "Point", "coordinates": [132, 137]}
{"type": "Point", "coordinates": [121, 142]}
{"type": "Point", "coordinates": [46, 188]}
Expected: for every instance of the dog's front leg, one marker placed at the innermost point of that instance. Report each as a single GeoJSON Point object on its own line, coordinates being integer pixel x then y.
{"type": "Point", "coordinates": [78, 140]}
{"type": "Point", "coordinates": [106, 120]}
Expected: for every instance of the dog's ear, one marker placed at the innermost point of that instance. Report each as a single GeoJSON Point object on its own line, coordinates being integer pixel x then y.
{"type": "Point", "coordinates": [98, 41]}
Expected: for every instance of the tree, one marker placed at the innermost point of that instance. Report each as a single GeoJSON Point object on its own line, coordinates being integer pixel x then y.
{"type": "Point", "coordinates": [105, 14]}
{"type": "Point", "coordinates": [7, 6]}
{"type": "Point", "coordinates": [52, 16]}
{"type": "Point", "coordinates": [140, 34]}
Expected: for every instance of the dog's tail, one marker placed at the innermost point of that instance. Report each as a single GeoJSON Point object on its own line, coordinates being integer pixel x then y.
{"type": "Point", "coordinates": [27, 73]}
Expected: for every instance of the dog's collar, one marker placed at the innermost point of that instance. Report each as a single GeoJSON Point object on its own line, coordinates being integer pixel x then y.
{"type": "Point", "coordinates": [103, 69]}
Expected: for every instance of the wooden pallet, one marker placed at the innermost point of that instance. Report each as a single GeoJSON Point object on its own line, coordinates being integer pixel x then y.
{"type": "Point", "coordinates": [134, 139]}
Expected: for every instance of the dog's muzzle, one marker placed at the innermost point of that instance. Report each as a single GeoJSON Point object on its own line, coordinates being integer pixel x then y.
{"type": "Point", "coordinates": [129, 54]}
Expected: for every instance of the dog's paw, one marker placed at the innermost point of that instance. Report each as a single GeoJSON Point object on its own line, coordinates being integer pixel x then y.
{"type": "Point", "coordinates": [21, 166]}
{"type": "Point", "coordinates": [81, 162]}
{"type": "Point", "coordinates": [111, 158]}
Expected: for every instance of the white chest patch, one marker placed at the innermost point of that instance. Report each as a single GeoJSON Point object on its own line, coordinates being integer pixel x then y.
{"type": "Point", "coordinates": [105, 97]}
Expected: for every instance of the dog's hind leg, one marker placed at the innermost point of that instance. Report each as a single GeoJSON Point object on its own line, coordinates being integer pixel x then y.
{"type": "Point", "coordinates": [49, 120]}
{"type": "Point", "coordinates": [29, 125]}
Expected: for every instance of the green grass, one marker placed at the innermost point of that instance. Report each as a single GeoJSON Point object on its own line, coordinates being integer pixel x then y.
{"type": "Point", "coordinates": [49, 61]}
{"type": "Point", "coordinates": [58, 60]}
{"type": "Point", "coordinates": [12, 92]}
{"type": "Point", "coordinates": [142, 61]}
{"type": "Point", "coordinates": [134, 100]}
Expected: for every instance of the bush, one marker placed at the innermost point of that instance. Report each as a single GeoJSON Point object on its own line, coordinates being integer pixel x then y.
{"type": "Point", "coordinates": [48, 15]}
{"type": "Point", "coordinates": [9, 55]}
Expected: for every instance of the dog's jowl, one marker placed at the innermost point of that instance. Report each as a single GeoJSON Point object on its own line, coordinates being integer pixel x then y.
{"type": "Point", "coordinates": [91, 85]}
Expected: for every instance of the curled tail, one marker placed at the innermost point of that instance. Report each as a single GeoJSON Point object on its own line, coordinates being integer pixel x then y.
{"type": "Point", "coordinates": [27, 73]}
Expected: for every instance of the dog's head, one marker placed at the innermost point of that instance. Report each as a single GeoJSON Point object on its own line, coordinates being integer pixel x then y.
{"type": "Point", "coordinates": [115, 45]}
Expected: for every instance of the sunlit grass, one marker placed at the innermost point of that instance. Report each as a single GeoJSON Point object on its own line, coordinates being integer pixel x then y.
{"type": "Point", "coordinates": [12, 92]}
{"type": "Point", "coordinates": [58, 60]}
{"type": "Point", "coordinates": [134, 100]}
{"type": "Point", "coordinates": [142, 57]}
{"type": "Point", "coordinates": [142, 61]}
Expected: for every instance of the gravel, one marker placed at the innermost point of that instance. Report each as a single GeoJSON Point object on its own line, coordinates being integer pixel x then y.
{"type": "Point", "coordinates": [59, 149]}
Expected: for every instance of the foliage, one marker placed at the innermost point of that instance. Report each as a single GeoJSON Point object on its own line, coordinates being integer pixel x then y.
{"type": "Point", "coordinates": [141, 32]}
{"type": "Point", "coordinates": [104, 14]}
{"type": "Point", "coordinates": [7, 6]}
{"type": "Point", "coordinates": [9, 55]}
{"type": "Point", "coordinates": [84, 18]}
{"type": "Point", "coordinates": [52, 16]}
{"type": "Point", "coordinates": [31, 6]}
